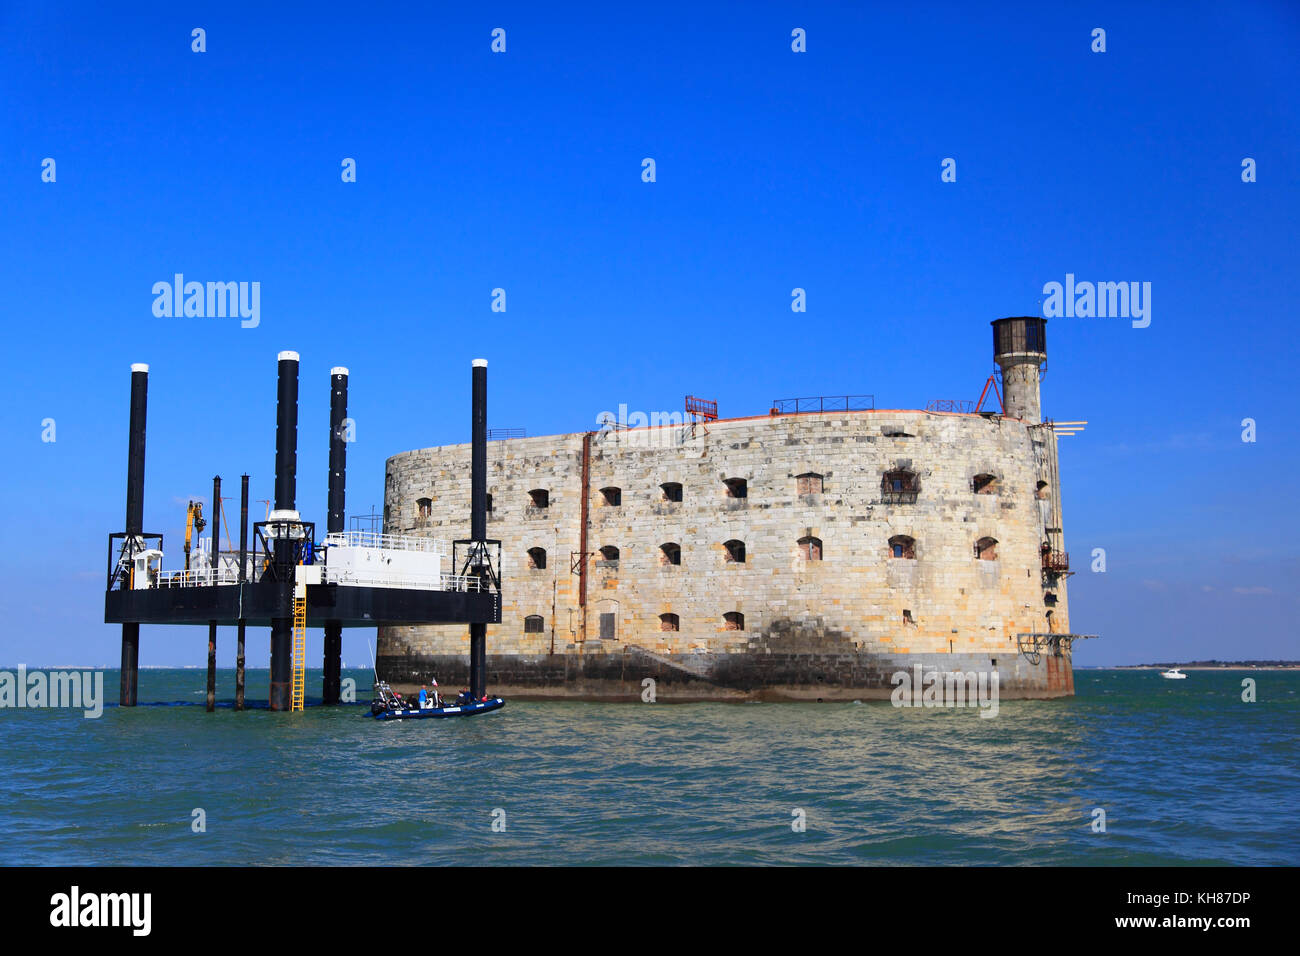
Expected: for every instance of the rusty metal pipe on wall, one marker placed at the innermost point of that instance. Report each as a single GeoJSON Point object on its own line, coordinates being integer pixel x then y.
{"type": "Point", "coordinates": [582, 541]}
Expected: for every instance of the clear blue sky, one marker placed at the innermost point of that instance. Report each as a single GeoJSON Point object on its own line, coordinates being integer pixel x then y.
{"type": "Point", "coordinates": [775, 170]}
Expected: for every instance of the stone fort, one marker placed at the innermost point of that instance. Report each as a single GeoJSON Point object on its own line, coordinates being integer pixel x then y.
{"type": "Point", "coordinates": [801, 554]}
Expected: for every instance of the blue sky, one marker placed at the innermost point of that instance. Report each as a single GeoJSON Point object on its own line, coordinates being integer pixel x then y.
{"type": "Point", "coordinates": [775, 170]}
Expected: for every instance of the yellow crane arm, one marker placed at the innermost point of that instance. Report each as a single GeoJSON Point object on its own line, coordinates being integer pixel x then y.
{"type": "Point", "coordinates": [193, 522]}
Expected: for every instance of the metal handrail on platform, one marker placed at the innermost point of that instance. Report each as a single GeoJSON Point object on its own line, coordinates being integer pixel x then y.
{"type": "Point", "coordinates": [442, 581]}
{"type": "Point", "coordinates": [391, 542]}
{"type": "Point", "coordinates": [1057, 562]}
{"type": "Point", "coordinates": [197, 577]}
{"type": "Point", "coordinates": [1032, 643]}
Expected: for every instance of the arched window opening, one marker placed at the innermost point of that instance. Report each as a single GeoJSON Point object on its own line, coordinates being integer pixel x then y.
{"type": "Point", "coordinates": [899, 487]}
{"type": "Point", "coordinates": [534, 624]}
{"type": "Point", "coordinates": [901, 546]}
{"type": "Point", "coordinates": [672, 491]}
{"type": "Point", "coordinates": [810, 548]}
{"type": "Point", "coordinates": [986, 549]}
{"type": "Point", "coordinates": [537, 558]}
{"type": "Point", "coordinates": [670, 554]}
{"type": "Point", "coordinates": [984, 484]}
{"type": "Point", "coordinates": [809, 483]}
{"type": "Point", "coordinates": [539, 499]}
{"type": "Point", "coordinates": [733, 621]}
{"type": "Point", "coordinates": [669, 622]}
{"type": "Point", "coordinates": [609, 553]}
{"type": "Point", "coordinates": [737, 488]}
{"type": "Point", "coordinates": [735, 551]}
{"type": "Point", "coordinates": [613, 497]}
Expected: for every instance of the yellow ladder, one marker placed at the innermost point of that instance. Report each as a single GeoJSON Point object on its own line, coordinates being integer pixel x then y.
{"type": "Point", "coordinates": [299, 690]}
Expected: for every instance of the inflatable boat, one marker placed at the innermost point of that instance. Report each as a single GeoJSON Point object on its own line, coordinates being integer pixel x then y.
{"type": "Point", "coordinates": [388, 705]}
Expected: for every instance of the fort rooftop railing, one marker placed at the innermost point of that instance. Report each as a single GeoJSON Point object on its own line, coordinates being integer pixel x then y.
{"type": "Point", "coordinates": [960, 405]}
{"type": "Point", "coordinates": [824, 403]}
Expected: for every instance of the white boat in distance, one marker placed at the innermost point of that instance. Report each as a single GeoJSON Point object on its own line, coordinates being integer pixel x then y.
{"type": "Point", "coordinates": [1173, 674]}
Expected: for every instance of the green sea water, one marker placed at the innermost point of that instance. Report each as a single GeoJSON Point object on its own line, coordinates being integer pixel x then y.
{"type": "Point", "coordinates": [1185, 771]}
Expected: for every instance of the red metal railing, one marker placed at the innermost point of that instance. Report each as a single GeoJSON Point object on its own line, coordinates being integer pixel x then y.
{"type": "Point", "coordinates": [703, 407]}
{"type": "Point", "coordinates": [1058, 562]}
{"type": "Point", "coordinates": [950, 405]}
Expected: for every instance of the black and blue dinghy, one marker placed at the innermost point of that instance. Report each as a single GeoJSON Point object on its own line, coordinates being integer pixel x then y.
{"type": "Point", "coordinates": [388, 705]}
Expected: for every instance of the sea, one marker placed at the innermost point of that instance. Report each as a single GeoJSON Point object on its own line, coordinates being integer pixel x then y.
{"type": "Point", "coordinates": [1134, 770]}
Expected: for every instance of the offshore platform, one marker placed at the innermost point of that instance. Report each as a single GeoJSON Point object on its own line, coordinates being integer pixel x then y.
{"type": "Point", "coordinates": [289, 581]}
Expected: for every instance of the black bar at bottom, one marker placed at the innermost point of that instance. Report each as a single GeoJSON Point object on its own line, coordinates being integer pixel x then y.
{"type": "Point", "coordinates": [1241, 902]}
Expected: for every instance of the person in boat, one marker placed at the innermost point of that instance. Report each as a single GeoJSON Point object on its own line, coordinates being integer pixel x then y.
{"type": "Point", "coordinates": [424, 697]}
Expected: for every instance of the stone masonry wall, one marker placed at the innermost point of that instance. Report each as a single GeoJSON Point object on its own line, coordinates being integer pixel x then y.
{"type": "Point", "coordinates": [853, 600]}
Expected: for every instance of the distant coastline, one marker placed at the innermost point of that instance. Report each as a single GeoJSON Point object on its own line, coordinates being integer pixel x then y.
{"type": "Point", "coordinates": [1208, 666]}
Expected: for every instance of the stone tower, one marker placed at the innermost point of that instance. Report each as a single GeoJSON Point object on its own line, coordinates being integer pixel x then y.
{"type": "Point", "coordinates": [1020, 349]}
